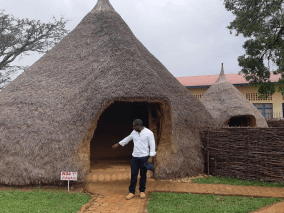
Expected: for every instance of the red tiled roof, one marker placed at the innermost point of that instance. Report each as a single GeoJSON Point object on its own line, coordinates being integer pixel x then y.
{"type": "Point", "coordinates": [208, 80]}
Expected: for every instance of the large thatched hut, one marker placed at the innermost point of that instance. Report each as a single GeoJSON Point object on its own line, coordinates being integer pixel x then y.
{"type": "Point", "coordinates": [81, 97]}
{"type": "Point", "coordinates": [228, 106]}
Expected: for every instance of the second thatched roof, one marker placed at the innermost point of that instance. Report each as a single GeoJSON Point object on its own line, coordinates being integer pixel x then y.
{"type": "Point", "coordinates": [224, 101]}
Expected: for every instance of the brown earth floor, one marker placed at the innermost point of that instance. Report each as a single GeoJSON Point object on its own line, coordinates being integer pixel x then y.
{"type": "Point", "coordinates": [109, 197]}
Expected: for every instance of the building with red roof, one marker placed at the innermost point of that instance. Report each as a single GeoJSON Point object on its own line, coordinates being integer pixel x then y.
{"type": "Point", "coordinates": [272, 107]}
{"type": "Point", "coordinates": [208, 80]}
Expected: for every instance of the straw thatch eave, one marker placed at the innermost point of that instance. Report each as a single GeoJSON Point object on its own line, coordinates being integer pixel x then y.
{"type": "Point", "coordinates": [49, 113]}
{"type": "Point", "coordinates": [224, 101]}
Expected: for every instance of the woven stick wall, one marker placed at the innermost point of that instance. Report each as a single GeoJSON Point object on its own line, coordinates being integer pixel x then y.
{"type": "Point", "coordinates": [251, 153]}
{"type": "Point", "coordinates": [275, 122]}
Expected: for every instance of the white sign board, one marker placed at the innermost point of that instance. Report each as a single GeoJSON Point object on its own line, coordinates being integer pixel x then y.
{"type": "Point", "coordinates": [68, 176]}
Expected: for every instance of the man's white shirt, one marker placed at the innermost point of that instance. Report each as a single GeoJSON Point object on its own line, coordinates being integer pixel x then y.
{"type": "Point", "coordinates": [142, 141]}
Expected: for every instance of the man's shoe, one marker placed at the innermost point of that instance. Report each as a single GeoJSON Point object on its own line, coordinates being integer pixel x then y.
{"type": "Point", "coordinates": [142, 195]}
{"type": "Point", "coordinates": [128, 197]}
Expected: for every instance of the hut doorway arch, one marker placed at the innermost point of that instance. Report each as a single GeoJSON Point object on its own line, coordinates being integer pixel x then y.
{"type": "Point", "coordinates": [241, 121]}
{"type": "Point", "coordinates": [115, 123]}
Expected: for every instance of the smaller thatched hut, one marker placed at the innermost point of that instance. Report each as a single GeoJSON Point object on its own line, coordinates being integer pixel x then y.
{"type": "Point", "coordinates": [228, 106]}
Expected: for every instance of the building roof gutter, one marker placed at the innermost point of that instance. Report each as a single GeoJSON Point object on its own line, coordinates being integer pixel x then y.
{"type": "Point", "coordinates": [210, 85]}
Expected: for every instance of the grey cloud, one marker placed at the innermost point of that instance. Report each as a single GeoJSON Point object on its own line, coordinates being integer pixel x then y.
{"type": "Point", "coordinates": [189, 39]}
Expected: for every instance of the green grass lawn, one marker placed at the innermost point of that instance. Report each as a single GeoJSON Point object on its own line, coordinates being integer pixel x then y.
{"type": "Point", "coordinates": [36, 201]}
{"type": "Point", "coordinates": [196, 203]}
{"type": "Point", "coordinates": [181, 202]}
{"type": "Point", "coordinates": [236, 181]}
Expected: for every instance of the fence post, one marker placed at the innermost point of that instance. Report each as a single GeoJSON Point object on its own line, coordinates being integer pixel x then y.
{"type": "Point", "coordinates": [257, 163]}
{"type": "Point", "coordinates": [248, 156]}
{"type": "Point", "coordinates": [208, 151]}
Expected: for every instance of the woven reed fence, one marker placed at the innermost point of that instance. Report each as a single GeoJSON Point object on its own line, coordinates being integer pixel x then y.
{"type": "Point", "coordinates": [275, 122]}
{"type": "Point", "coordinates": [251, 153]}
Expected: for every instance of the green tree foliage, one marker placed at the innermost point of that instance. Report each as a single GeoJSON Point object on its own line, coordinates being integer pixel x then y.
{"type": "Point", "coordinates": [20, 37]}
{"type": "Point", "coordinates": [261, 21]}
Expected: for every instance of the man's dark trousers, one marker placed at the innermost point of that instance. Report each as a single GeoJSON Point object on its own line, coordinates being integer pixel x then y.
{"type": "Point", "coordinates": [136, 164]}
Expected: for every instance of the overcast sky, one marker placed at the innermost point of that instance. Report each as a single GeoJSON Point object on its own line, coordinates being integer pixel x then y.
{"type": "Point", "coordinates": [189, 37]}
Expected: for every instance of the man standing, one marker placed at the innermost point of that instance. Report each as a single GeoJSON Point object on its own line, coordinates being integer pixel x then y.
{"type": "Point", "coordinates": [142, 138]}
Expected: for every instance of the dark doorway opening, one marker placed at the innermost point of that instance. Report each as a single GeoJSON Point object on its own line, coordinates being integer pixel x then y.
{"type": "Point", "coordinates": [242, 121]}
{"type": "Point", "coordinates": [115, 123]}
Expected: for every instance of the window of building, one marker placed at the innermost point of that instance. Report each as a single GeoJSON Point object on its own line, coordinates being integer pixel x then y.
{"type": "Point", "coordinates": [253, 96]}
{"type": "Point", "coordinates": [198, 96]}
{"type": "Point", "coordinates": [265, 109]}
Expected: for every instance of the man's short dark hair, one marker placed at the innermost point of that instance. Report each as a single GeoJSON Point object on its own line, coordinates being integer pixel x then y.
{"type": "Point", "coordinates": [138, 121]}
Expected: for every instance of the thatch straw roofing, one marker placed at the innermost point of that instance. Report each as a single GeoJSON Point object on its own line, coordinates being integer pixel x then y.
{"type": "Point", "coordinates": [49, 113]}
{"type": "Point", "coordinates": [224, 101]}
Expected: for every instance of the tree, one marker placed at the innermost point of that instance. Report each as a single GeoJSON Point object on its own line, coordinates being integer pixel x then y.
{"type": "Point", "coordinates": [263, 20]}
{"type": "Point", "coordinates": [20, 37]}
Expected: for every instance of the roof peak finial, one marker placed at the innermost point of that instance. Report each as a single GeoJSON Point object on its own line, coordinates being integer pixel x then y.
{"type": "Point", "coordinates": [102, 5]}
{"type": "Point", "coordinates": [222, 71]}
{"type": "Point", "coordinates": [222, 76]}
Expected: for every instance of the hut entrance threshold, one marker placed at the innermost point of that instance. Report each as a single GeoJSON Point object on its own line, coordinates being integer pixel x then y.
{"type": "Point", "coordinates": [114, 124]}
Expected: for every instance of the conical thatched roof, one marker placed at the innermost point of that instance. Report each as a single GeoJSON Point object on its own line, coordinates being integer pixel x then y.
{"type": "Point", "coordinates": [50, 112]}
{"type": "Point", "coordinates": [224, 101]}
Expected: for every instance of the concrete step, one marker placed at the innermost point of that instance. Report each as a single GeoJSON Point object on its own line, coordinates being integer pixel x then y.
{"type": "Point", "coordinates": [108, 171]}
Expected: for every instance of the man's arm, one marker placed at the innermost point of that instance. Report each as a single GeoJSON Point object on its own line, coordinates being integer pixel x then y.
{"type": "Point", "coordinates": [152, 145]}
{"type": "Point", "coordinates": [126, 140]}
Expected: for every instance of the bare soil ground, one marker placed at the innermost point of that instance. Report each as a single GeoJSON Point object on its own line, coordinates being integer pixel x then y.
{"type": "Point", "coordinates": [77, 188]}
